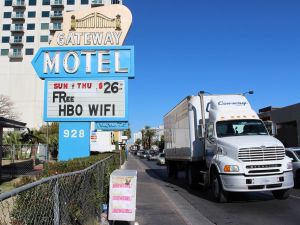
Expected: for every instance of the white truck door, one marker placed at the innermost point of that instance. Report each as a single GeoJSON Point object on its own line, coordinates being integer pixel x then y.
{"type": "Point", "coordinates": [210, 143]}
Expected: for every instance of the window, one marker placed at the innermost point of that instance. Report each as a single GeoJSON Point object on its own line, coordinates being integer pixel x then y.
{"type": "Point", "coordinates": [44, 38]}
{"type": "Point", "coordinates": [46, 2]}
{"type": "Point", "coordinates": [45, 13]}
{"type": "Point", "coordinates": [17, 52]}
{"type": "Point", "coordinates": [30, 39]}
{"type": "Point", "coordinates": [57, 26]}
{"type": "Point", "coordinates": [19, 14]}
{"type": "Point", "coordinates": [6, 27]}
{"type": "Point", "coordinates": [18, 26]}
{"type": "Point", "coordinates": [97, 1]}
{"type": "Point", "coordinates": [210, 130]}
{"type": "Point", "coordinates": [45, 26]}
{"type": "Point", "coordinates": [84, 2]}
{"type": "Point", "coordinates": [57, 13]}
{"type": "Point", "coordinates": [30, 26]}
{"type": "Point", "coordinates": [5, 39]}
{"type": "Point", "coordinates": [70, 2]}
{"type": "Point", "coordinates": [32, 2]}
{"type": "Point", "coordinates": [17, 39]}
{"type": "Point", "coordinates": [31, 14]}
{"type": "Point", "coordinates": [240, 128]}
{"type": "Point", "coordinates": [8, 2]}
{"type": "Point", "coordinates": [4, 51]}
{"type": "Point", "coordinates": [29, 51]}
{"type": "Point", "coordinates": [7, 15]}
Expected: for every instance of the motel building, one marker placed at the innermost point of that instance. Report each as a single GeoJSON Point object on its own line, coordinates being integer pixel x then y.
{"type": "Point", "coordinates": [27, 25]}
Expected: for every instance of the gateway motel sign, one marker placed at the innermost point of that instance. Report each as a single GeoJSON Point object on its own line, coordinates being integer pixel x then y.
{"type": "Point", "coordinates": [86, 72]}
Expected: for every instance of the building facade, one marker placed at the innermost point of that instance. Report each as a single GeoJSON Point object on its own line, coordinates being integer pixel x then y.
{"type": "Point", "coordinates": [286, 123]}
{"type": "Point", "coordinates": [27, 25]}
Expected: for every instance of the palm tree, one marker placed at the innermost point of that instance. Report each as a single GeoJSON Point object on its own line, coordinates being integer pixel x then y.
{"type": "Point", "coordinates": [147, 137]}
{"type": "Point", "coordinates": [127, 133]}
{"type": "Point", "coordinates": [138, 143]}
{"type": "Point", "coordinates": [12, 138]}
{"type": "Point", "coordinates": [33, 137]}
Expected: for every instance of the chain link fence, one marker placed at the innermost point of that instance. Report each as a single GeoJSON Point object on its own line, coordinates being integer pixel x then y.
{"type": "Point", "coordinates": [67, 199]}
{"type": "Point", "coordinates": [20, 159]}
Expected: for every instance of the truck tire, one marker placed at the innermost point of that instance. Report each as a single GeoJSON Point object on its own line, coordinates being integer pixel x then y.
{"type": "Point", "coordinates": [169, 173]}
{"type": "Point", "coordinates": [297, 179]}
{"type": "Point", "coordinates": [281, 194]}
{"type": "Point", "coordinates": [218, 194]}
{"type": "Point", "coordinates": [172, 169]}
{"type": "Point", "coordinates": [191, 176]}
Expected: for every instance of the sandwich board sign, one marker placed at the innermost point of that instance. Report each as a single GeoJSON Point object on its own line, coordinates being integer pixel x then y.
{"type": "Point", "coordinates": [122, 195]}
{"type": "Point", "coordinates": [86, 71]}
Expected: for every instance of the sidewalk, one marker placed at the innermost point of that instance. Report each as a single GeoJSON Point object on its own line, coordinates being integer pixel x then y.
{"type": "Point", "coordinates": [159, 205]}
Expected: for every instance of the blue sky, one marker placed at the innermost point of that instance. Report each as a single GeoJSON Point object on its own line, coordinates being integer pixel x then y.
{"type": "Point", "coordinates": [218, 46]}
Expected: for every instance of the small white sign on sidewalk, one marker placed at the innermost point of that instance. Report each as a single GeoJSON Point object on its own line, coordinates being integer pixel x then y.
{"type": "Point", "coordinates": [122, 197]}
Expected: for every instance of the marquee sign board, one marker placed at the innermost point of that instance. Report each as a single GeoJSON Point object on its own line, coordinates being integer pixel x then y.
{"type": "Point", "coordinates": [84, 61]}
{"type": "Point", "coordinates": [86, 100]}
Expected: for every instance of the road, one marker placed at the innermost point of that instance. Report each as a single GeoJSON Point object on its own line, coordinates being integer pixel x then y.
{"type": "Point", "coordinates": [245, 209]}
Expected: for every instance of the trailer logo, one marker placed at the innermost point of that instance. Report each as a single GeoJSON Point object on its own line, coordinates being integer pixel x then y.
{"type": "Point", "coordinates": [232, 103]}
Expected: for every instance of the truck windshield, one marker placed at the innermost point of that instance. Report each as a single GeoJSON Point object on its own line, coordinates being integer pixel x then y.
{"type": "Point", "coordinates": [240, 128]}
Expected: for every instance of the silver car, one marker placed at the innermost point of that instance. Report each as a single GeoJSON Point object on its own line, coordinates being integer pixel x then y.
{"type": "Point", "coordinates": [161, 159]}
{"type": "Point", "coordinates": [294, 154]}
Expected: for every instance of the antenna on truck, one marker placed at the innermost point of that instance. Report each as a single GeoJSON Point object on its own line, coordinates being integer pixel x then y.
{"type": "Point", "coordinates": [248, 92]}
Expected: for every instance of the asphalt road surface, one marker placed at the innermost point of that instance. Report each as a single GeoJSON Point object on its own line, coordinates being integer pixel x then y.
{"type": "Point", "coordinates": [245, 209]}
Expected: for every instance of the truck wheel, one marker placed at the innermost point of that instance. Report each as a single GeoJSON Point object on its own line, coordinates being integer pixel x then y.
{"type": "Point", "coordinates": [297, 179]}
{"type": "Point", "coordinates": [219, 195]}
{"type": "Point", "coordinates": [281, 194]}
{"type": "Point", "coordinates": [172, 169]}
{"type": "Point", "coordinates": [190, 176]}
{"type": "Point", "coordinates": [169, 171]}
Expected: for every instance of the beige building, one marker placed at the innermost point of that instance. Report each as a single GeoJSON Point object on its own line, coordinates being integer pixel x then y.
{"type": "Point", "coordinates": [27, 25]}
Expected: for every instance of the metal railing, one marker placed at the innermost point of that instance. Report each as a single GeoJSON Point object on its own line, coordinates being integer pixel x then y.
{"type": "Point", "coordinates": [67, 199]}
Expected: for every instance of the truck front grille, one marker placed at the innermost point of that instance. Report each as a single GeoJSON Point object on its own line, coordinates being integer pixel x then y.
{"type": "Point", "coordinates": [261, 154]}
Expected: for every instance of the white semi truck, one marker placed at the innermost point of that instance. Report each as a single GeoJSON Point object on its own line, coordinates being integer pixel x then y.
{"type": "Point", "coordinates": [229, 151]}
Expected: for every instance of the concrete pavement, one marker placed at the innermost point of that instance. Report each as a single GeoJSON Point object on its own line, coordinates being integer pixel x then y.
{"type": "Point", "coordinates": [157, 203]}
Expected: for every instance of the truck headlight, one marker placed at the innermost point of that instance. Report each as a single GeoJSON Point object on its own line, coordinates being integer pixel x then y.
{"type": "Point", "coordinates": [289, 166]}
{"type": "Point", "coordinates": [231, 168]}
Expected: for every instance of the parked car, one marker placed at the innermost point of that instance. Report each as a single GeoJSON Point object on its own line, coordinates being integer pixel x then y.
{"type": "Point", "coordinates": [161, 159]}
{"type": "Point", "coordinates": [294, 153]}
{"type": "Point", "coordinates": [140, 153]}
{"type": "Point", "coordinates": [152, 155]}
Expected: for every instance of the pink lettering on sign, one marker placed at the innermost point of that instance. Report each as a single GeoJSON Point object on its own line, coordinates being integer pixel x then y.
{"type": "Point", "coordinates": [122, 198]}
{"type": "Point", "coordinates": [121, 186]}
{"type": "Point", "coordinates": [122, 210]}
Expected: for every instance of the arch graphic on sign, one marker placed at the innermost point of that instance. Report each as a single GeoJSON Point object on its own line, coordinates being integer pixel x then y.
{"type": "Point", "coordinates": [96, 20]}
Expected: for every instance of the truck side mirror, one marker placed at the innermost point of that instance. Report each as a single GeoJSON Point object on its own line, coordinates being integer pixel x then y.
{"type": "Point", "coordinates": [271, 127]}
{"type": "Point", "coordinates": [212, 139]}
